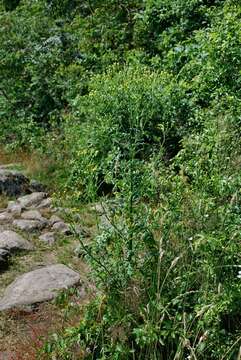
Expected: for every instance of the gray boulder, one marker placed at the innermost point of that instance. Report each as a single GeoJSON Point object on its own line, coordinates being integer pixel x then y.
{"type": "Point", "coordinates": [13, 183]}
{"type": "Point", "coordinates": [29, 225]}
{"type": "Point", "coordinates": [11, 241]}
{"type": "Point", "coordinates": [38, 286]}
{"type": "Point", "coordinates": [33, 199]}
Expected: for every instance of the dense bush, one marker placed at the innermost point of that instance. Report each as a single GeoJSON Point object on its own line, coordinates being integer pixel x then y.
{"type": "Point", "coordinates": [124, 108]}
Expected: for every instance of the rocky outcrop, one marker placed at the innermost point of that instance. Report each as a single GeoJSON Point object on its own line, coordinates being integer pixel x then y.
{"type": "Point", "coordinates": [13, 183]}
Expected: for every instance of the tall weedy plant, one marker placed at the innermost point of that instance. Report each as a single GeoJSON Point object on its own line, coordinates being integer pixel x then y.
{"type": "Point", "coordinates": [166, 264]}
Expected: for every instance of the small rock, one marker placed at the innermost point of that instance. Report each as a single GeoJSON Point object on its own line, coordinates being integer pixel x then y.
{"type": "Point", "coordinates": [54, 219]}
{"type": "Point", "coordinates": [48, 238]}
{"type": "Point", "coordinates": [33, 199]}
{"type": "Point", "coordinates": [46, 203]}
{"type": "Point", "coordinates": [5, 218]}
{"type": "Point", "coordinates": [33, 215]}
{"type": "Point", "coordinates": [39, 285]}
{"type": "Point", "coordinates": [29, 225]}
{"type": "Point", "coordinates": [12, 241]}
{"type": "Point", "coordinates": [14, 208]}
{"type": "Point", "coordinates": [62, 228]}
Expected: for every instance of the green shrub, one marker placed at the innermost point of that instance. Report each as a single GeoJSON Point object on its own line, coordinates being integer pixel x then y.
{"type": "Point", "coordinates": [124, 108]}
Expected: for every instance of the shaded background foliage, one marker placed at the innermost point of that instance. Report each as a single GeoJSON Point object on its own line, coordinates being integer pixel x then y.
{"type": "Point", "coordinates": [10, 5]}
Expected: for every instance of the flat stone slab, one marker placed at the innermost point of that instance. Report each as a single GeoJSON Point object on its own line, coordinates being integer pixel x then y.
{"type": "Point", "coordinates": [38, 286]}
{"type": "Point", "coordinates": [12, 242]}
{"type": "Point", "coordinates": [33, 199]}
{"type": "Point", "coordinates": [29, 225]}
